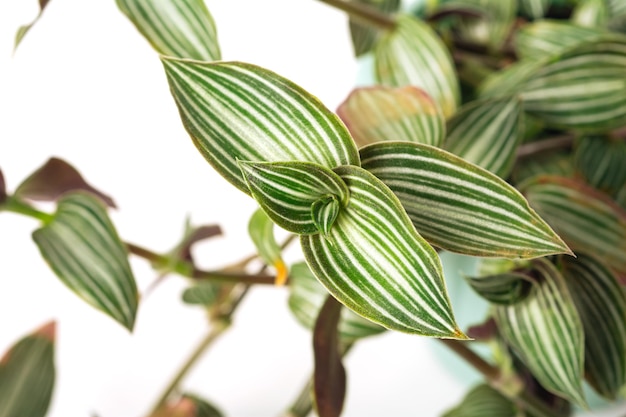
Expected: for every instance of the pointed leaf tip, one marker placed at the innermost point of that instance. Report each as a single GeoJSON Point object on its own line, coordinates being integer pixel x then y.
{"type": "Point", "coordinates": [47, 331]}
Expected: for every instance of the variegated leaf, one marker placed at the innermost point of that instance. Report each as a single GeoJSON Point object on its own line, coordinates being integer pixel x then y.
{"type": "Point", "coordinates": [261, 231]}
{"type": "Point", "coordinates": [549, 37]}
{"type": "Point", "coordinates": [374, 262]}
{"type": "Point", "coordinates": [586, 219]}
{"type": "Point", "coordinates": [591, 13]}
{"type": "Point", "coordinates": [583, 89]}
{"type": "Point", "coordinates": [27, 375]}
{"type": "Point", "coordinates": [557, 163]}
{"type": "Point", "coordinates": [364, 36]}
{"type": "Point", "coordinates": [601, 161]}
{"type": "Point", "coordinates": [289, 192]}
{"type": "Point", "coordinates": [82, 247]}
{"type": "Point", "coordinates": [240, 111]}
{"type": "Point", "coordinates": [509, 81]}
{"type": "Point", "coordinates": [374, 114]}
{"type": "Point", "coordinates": [487, 133]}
{"type": "Point", "coordinates": [177, 28]}
{"type": "Point", "coordinates": [536, 9]}
{"type": "Point", "coordinates": [601, 304]}
{"type": "Point", "coordinates": [412, 54]}
{"type": "Point", "coordinates": [484, 401]}
{"type": "Point", "coordinates": [546, 332]}
{"type": "Point", "coordinates": [458, 206]}
{"type": "Point", "coordinates": [306, 297]}
{"type": "Point", "coordinates": [505, 289]}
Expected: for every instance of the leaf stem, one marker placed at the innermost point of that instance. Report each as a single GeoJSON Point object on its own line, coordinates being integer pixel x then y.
{"type": "Point", "coordinates": [550, 144]}
{"type": "Point", "coordinates": [218, 327]}
{"type": "Point", "coordinates": [492, 374]}
{"type": "Point", "coordinates": [16, 205]}
{"type": "Point", "coordinates": [363, 14]}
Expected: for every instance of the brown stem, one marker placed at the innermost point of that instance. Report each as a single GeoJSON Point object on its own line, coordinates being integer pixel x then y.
{"type": "Point", "coordinates": [364, 14]}
{"type": "Point", "coordinates": [554, 143]}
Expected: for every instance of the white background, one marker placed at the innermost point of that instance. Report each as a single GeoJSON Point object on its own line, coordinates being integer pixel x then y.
{"type": "Point", "coordinates": [84, 86]}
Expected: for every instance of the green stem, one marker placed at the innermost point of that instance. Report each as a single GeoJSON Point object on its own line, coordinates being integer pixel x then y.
{"type": "Point", "coordinates": [492, 374]}
{"type": "Point", "coordinates": [16, 205]}
{"type": "Point", "coordinates": [217, 329]}
{"type": "Point", "coordinates": [363, 14]}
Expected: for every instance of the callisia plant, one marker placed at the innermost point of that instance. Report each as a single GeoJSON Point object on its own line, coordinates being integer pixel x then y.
{"type": "Point", "coordinates": [494, 128]}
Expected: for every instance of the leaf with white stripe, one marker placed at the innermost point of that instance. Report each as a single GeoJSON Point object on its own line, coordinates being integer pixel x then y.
{"type": "Point", "coordinates": [586, 219]}
{"type": "Point", "coordinates": [27, 375]}
{"type": "Point", "coordinates": [509, 80]}
{"type": "Point", "coordinates": [601, 304]}
{"type": "Point", "coordinates": [591, 13]}
{"type": "Point", "coordinates": [374, 114]}
{"type": "Point", "coordinates": [458, 206]}
{"type": "Point", "coordinates": [306, 297]}
{"type": "Point", "coordinates": [584, 89]}
{"type": "Point", "coordinates": [413, 54]}
{"type": "Point", "coordinates": [177, 28]}
{"type": "Point", "coordinates": [505, 289]}
{"type": "Point", "coordinates": [291, 192]}
{"type": "Point", "coordinates": [364, 36]}
{"type": "Point", "coordinates": [601, 160]}
{"type": "Point", "coordinates": [535, 9]}
{"type": "Point", "coordinates": [261, 231]}
{"type": "Point", "coordinates": [83, 249]}
{"type": "Point", "coordinates": [487, 133]}
{"type": "Point", "coordinates": [484, 401]}
{"type": "Point", "coordinates": [374, 262]}
{"type": "Point", "coordinates": [547, 334]}
{"type": "Point", "coordinates": [240, 111]}
{"type": "Point", "coordinates": [548, 37]}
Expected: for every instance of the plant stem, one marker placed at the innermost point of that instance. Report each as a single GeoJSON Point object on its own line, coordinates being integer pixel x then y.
{"type": "Point", "coordinates": [363, 13]}
{"type": "Point", "coordinates": [218, 327]}
{"type": "Point", "coordinates": [554, 143]}
{"type": "Point", "coordinates": [16, 205]}
{"type": "Point", "coordinates": [492, 374]}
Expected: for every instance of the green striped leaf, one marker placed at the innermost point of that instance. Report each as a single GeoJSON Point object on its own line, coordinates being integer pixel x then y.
{"type": "Point", "coordinates": [549, 37]}
{"type": "Point", "coordinates": [177, 28]}
{"type": "Point", "coordinates": [601, 304]}
{"type": "Point", "coordinates": [364, 36]}
{"type": "Point", "coordinates": [557, 163]}
{"type": "Point", "coordinates": [505, 289]}
{"type": "Point", "coordinates": [484, 401]}
{"type": "Point", "coordinates": [83, 249]}
{"type": "Point", "coordinates": [591, 13]}
{"type": "Point", "coordinates": [547, 334]}
{"type": "Point", "coordinates": [374, 262]}
{"type": "Point", "coordinates": [240, 111]}
{"type": "Point", "coordinates": [458, 206]}
{"type": "Point", "coordinates": [412, 54]}
{"type": "Point", "coordinates": [261, 231]}
{"type": "Point", "coordinates": [306, 297]}
{"type": "Point", "coordinates": [585, 89]}
{"type": "Point", "coordinates": [374, 114]}
{"type": "Point", "coordinates": [601, 161]}
{"type": "Point", "coordinates": [294, 194]}
{"type": "Point", "coordinates": [510, 80]}
{"type": "Point", "coordinates": [586, 219]}
{"type": "Point", "coordinates": [535, 9]}
{"type": "Point", "coordinates": [27, 375]}
{"type": "Point", "coordinates": [487, 133]}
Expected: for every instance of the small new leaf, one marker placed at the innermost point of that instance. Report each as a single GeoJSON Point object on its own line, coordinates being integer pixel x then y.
{"type": "Point", "coordinates": [177, 28]}
{"type": "Point", "coordinates": [83, 249]}
{"type": "Point", "coordinates": [484, 401]}
{"type": "Point", "coordinates": [261, 231]}
{"type": "Point", "coordinates": [505, 289]}
{"type": "Point", "coordinates": [288, 191]}
{"type": "Point", "coordinates": [374, 262]}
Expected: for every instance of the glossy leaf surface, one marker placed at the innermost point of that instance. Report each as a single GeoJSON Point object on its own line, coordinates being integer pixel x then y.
{"type": "Point", "coordinates": [487, 133]}
{"type": "Point", "coordinates": [177, 28]}
{"type": "Point", "coordinates": [587, 220]}
{"type": "Point", "coordinates": [83, 249]}
{"type": "Point", "coordinates": [412, 54]}
{"type": "Point", "coordinates": [235, 111]}
{"type": "Point", "coordinates": [374, 114]}
{"type": "Point", "coordinates": [458, 206]}
{"type": "Point", "coordinates": [374, 262]}
{"type": "Point", "coordinates": [27, 374]}
{"type": "Point", "coordinates": [306, 297]}
{"type": "Point", "coordinates": [601, 304]}
{"type": "Point", "coordinates": [546, 332]}
{"type": "Point", "coordinates": [287, 192]}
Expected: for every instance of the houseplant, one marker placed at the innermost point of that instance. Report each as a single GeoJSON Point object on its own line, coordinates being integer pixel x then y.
{"type": "Point", "coordinates": [533, 98]}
